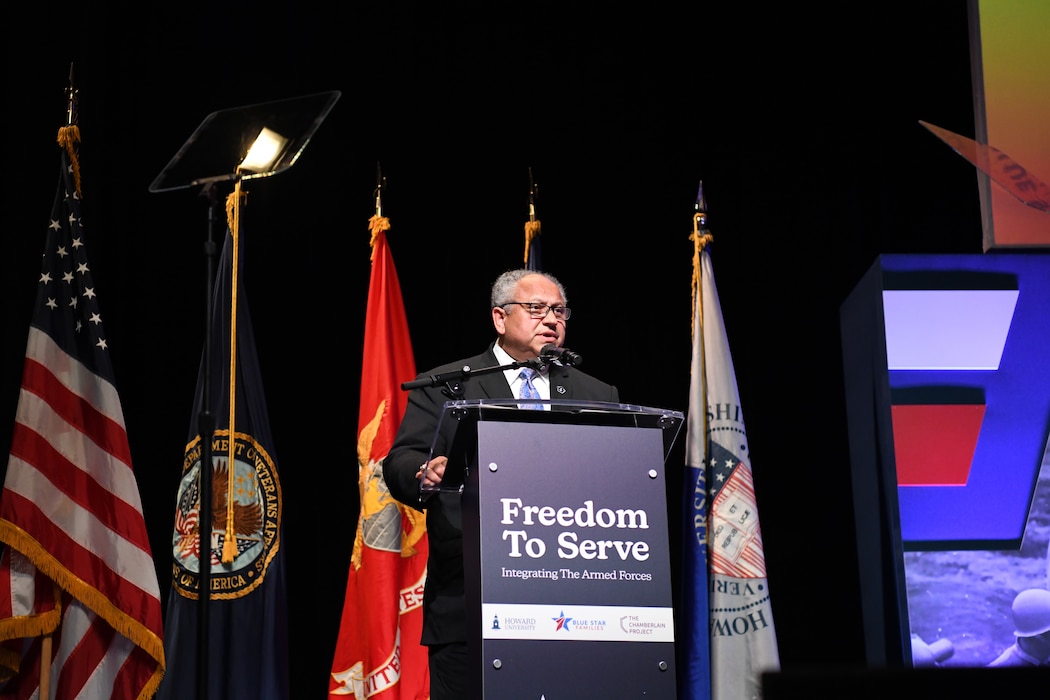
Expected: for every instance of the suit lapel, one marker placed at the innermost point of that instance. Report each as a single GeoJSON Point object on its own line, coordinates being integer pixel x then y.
{"type": "Point", "coordinates": [561, 387]}
{"type": "Point", "coordinates": [493, 386]}
{"type": "Point", "coordinates": [487, 386]}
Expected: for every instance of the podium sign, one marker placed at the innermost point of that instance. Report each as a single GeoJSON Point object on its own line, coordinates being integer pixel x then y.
{"type": "Point", "coordinates": [566, 554]}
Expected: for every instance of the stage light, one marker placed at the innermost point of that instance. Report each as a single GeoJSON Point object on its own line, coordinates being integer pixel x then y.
{"type": "Point", "coordinates": [264, 152]}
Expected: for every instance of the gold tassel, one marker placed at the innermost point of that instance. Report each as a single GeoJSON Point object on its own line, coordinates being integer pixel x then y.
{"type": "Point", "coordinates": [68, 137]}
{"type": "Point", "coordinates": [93, 599]}
{"type": "Point", "coordinates": [377, 225]}
{"type": "Point", "coordinates": [532, 229]}
{"type": "Point", "coordinates": [233, 215]}
{"type": "Point", "coordinates": [700, 238]}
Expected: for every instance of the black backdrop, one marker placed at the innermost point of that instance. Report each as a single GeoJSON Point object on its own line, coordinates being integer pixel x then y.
{"type": "Point", "coordinates": [802, 124]}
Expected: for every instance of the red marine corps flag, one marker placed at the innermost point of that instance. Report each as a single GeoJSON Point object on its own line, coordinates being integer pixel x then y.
{"type": "Point", "coordinates": [378, 654]}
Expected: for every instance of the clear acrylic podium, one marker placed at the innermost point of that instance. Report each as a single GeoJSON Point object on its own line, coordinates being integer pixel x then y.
{"type": "Point", "coordinates": [565, 538]}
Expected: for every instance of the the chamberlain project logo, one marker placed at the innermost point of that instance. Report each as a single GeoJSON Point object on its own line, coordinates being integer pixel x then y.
{"type": "Point", "coordinates": [966, 337]}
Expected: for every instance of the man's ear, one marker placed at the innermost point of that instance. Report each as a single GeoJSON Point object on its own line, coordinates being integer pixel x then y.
{"type": "Point", "coordinates": [499, 320]}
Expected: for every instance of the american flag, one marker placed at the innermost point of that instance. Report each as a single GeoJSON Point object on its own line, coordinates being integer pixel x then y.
{"type": "Point", "coordinates": [77, 570]}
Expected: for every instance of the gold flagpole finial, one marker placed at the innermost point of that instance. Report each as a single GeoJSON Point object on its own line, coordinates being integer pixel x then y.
{"type": "Point", "coordinates": [700, 238]}
{"type": "Point", "coordinates": [532, 226]}
{"type": "Point", "coordinates": [378, 223]}
{"type": "Point", "coordinates": [71, 100]}
{"type": "Point", "coordinates": [69, 134]}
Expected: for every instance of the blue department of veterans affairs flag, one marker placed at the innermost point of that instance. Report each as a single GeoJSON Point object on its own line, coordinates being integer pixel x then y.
{"type": "Point", "coordinates": [743, 642]}
{"type": "Point", "coordinates": [247, 643]}
{"type": "Point", "coordinates": [76, 573]}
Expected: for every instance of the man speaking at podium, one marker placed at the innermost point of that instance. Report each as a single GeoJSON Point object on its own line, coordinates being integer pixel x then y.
{"type": "Point", "coordinates": [529, 313]}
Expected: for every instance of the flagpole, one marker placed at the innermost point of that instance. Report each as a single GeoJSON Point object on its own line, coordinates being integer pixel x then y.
{"type": "Point", "coordinates": [47, 641]}
{"type": "Point", "coordinates": [380, 184]}
{"type": "Point", "coordinates": [701, 237]}
{"type": "Point", "coordinates": [206, 430]}
{"type": "Point", "coordinates": [71, 95]}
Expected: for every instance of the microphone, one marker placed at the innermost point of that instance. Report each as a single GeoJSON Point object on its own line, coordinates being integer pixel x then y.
{"type": "Point", "coordinates": [550, 351]}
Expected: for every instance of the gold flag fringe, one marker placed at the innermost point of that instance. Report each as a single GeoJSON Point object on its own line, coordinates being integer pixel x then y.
{"type": "Point", "coordinates": [68, 138]}
{"type": "Point", "coordinates": [26, 626]}
{"type": "Point", "coordinates": [102, 606]}
{"type": "Point", "coordinates": [532, 229]}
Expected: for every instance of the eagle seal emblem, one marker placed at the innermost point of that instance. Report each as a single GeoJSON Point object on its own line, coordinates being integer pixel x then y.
{"type": "Point", "coordinates": [246, 518]}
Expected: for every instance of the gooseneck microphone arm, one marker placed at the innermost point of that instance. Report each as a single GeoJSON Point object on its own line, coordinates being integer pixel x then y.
{"type": "Point", "coordinates": [452, 377]}
{"type": "Point", "coordinates": [548, 353]}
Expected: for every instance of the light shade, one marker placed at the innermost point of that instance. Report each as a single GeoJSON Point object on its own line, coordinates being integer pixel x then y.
{"type": "Point", "coordinates": [264, 152]}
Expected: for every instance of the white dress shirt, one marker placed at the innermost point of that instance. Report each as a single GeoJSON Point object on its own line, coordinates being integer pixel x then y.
{"type": "Point", "coordinates": [539, 380]}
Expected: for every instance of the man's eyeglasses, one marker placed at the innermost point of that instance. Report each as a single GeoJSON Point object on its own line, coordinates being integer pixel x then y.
{"type": "Point", "coordinates": [537, 310]}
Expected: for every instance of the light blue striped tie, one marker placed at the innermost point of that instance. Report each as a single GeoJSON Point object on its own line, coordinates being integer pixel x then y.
{"type": "Point", "coordinates": [528, 390]}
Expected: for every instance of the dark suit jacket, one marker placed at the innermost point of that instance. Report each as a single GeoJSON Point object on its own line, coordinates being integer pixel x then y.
{"type": "Point", "coordinates": [444, 605]}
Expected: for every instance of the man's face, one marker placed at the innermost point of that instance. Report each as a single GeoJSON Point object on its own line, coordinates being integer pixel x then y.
{"type": "Point", "coordinates": [521, 335]}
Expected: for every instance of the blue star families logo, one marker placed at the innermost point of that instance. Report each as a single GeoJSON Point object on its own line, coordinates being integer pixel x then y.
{"type": "Point", "coordinates": [561, 622]}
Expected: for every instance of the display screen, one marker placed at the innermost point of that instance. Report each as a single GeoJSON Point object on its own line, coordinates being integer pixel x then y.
{"type": "Point", "coordinates": [1011, 79]}
{"type": "Point", "coordinates": [966, 339]}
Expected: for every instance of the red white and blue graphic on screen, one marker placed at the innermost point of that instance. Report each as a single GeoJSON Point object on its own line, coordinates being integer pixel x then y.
{"type": "Point", "coordinates": [967, 338]}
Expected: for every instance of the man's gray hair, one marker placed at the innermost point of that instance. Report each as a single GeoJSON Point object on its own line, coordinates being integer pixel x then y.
{"type": "Point", "coordinates": [504, 286]}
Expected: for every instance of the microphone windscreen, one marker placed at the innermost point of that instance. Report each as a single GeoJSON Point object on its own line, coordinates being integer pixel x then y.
{"type": "Point", "coordinates": [550, 350]}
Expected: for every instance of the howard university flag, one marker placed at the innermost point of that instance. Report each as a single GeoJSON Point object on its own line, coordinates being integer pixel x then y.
{"type": "Point", "coordinates": [742, 640]}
